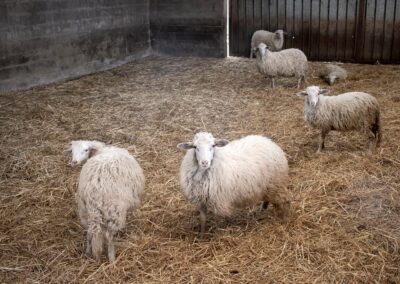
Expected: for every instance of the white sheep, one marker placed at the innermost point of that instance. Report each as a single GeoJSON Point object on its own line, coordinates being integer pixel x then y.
{"type": "Point", "coordinates": [273, 40]}
{"type": "Point", "coordinates": [111, 182]}
{"type": "Point", "coordinates": [287, 63]}
{"type": "Point", "coordinates": [222, 176]}
{"type": "Point", "coordinates": [344, 112]}
{"type": "Point", "coordinates": [330, 73]}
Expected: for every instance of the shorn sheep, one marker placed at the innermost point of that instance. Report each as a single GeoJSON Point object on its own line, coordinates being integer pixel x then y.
{"type": "Point", "coordinates": [219, 175]}
{"type": "Point", "coordinates": [331, 73]}
{"type": "Point", "coordinates": [111, 182]}
{"type": "Point", "coordinates": [344, 112]}
{"type": "Point", "coordinates": [273, 40]}
{"type": "Point", "coordinates": [287, 63]}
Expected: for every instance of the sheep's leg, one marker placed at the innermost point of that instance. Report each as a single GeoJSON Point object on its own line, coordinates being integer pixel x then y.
{"type": "Point", "coordinates": [88, 251]}
{"type": "Point", "coordinates": [110, 246]}
{"type": "Point", "coordinates": [322, 136]}
{"type": "Point", "coordinates": [299, 82]}
{"type": "Point", "coordinates": [280, 197]}
{"type": "Point", "coordinates": [371, 142]}
{"type": "Point", "coordinates": [203, 217]}
{"type": "Point", "coordinates": [284, 210]}
{"type": "Point", "coordinates": [371, 147]}
{"type": "Point", "coordinates": [272, 83]}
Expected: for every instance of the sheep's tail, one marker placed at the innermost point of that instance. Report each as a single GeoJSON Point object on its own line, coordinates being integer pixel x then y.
{"type": "Point", "coordinates": [97, 241]}
{"type": "Point", "coordinates": [378, 129]}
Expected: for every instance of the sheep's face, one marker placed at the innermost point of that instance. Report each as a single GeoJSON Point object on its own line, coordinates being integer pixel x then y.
{"type": "Point", "coordinates": [262, 49]}
{"type": "Point", "coordinates": [279, 34]}
{"type": "Point", "coordinates": [204, 146]}
{"type": "Point", "coordinates": [312, 94]}
{"type": "Point", "coordinates": [331, 79]}
{"type": "Point", "coordinates": [80, 152]}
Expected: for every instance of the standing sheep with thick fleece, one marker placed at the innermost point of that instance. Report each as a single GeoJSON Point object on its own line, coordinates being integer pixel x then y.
{"type": "Point", "coordinates": [220, 175]}
{"type": "Point", "coordinates": [344, 112]}
{"type": "Point", "coordinates": [330, 73]}
{"type": "Point", "coordinates": [273, 40]}
{"type": "Point", "coordinates": [290, 62]}
{"type": "Point", "coordinates": [111, 183]}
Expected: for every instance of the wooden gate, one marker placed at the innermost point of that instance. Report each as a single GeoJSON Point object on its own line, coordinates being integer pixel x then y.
{"type": "Point", "coordinates": [364, 31]}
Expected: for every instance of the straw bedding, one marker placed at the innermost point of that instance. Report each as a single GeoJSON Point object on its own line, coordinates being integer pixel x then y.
{"type": "Point", "coordinates": [345, 225]}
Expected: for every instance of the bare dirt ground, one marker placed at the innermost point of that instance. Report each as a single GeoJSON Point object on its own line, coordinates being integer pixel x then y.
{"type": "Point", "coordinates": [345, 225]}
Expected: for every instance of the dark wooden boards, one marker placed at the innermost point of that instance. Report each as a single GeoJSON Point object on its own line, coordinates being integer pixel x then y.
{"type": "Point", "coordinates": [366, 31]}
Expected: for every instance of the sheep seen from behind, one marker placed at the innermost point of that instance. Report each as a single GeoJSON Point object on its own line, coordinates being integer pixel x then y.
{"type": "Point", "coordinates": [274, 40]}
{"type": "Point", "coordinates": [220, 176]}
{"type": "Point", "coordinates": [111, 183]}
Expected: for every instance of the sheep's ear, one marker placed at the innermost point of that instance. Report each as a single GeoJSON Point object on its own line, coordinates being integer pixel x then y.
{"type": "Point", "coordinates": [221, 142]}
{"type": "Point", "coordinates": [185, 146]}
{"type": "Point", "coordinates": [323, 91]}
{"type": "Point", "coordinates": [301, 94]}
{"type": "Point", "coordinates": [92, 151]}
{"type": "Point", "coordinates": [68, 152]}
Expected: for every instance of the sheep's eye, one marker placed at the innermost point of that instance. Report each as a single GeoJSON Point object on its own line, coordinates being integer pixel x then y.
{"type": "Point", "coordinates": [86, 150]}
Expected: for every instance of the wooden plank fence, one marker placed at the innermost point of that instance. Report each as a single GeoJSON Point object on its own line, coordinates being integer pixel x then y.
{"type": "Point", "coordinates": [364, 31]}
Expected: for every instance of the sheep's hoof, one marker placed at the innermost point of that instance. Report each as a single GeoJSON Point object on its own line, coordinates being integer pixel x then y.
{"type": "Point", "coordinates": [111, 258]}
{"type": "Point", "coordinates": [283, 211]}
{"type": "Point", "coordinates": [88, 253]}
{"type": "Point", "coordinates": [201, 235]}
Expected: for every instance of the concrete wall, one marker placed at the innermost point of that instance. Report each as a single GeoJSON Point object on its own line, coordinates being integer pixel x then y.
{"type": "Point", "coordinates": [188, 27]}
{"type": "Point", "coordinates": [42, 41]}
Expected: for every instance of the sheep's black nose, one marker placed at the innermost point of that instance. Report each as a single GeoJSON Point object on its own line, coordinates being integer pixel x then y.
{"type": "Point", "coordinates": [204, 163]}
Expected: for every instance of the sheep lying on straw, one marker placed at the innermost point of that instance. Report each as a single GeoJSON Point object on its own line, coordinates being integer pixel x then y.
{"type": "Point", "coordinates": [330, 73]}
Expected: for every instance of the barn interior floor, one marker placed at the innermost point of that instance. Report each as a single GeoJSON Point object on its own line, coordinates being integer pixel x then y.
{"type": "Point", "coordinates": [345, 224]}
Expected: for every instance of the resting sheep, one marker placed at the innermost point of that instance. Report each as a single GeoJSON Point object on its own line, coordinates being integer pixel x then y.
{"type": "Point", "coordinates": [344, 112]}
{"type": "Point", "coordinates": [222, 176]}
{"type": "Point", "coordinates": [330, 73]}
{"type": "Point", "coordinates": [273, 40]}
{"type": "Point", "coordinates": [111, 182]}
{"type": "Point", "coordinates": [287, 63]}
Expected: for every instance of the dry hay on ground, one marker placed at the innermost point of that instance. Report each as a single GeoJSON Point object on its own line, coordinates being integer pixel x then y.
{"type": "Point", "coordinates": [346, 219]}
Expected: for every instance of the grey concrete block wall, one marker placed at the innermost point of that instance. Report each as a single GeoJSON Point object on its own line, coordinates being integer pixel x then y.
{"type": "Point", "coordinates": [188, 27]}
{"type": "Point", "coordinates": [42, 41]}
